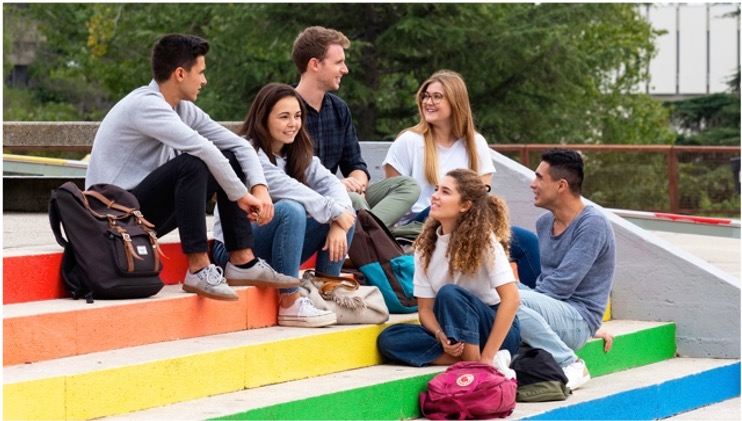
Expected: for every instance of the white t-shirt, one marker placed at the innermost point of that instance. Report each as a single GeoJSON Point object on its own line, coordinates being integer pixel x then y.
{"type": "Point", "coordinates": [481, 283]}
{"type": "Point", "coordinates": [407, 156]}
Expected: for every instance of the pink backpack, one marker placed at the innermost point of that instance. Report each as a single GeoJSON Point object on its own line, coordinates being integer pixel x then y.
{"type": "Point", "coordinates": [469, 390]}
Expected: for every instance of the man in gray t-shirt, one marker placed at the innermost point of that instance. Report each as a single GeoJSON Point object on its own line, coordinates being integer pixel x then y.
{"type": "Point", "coordinates": [578, 259]}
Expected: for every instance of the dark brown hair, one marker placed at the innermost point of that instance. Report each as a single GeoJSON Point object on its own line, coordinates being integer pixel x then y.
{"type": "Point", "coordinates": [255, 128]}
{"type": "Point", "coordinates": [176, 50]}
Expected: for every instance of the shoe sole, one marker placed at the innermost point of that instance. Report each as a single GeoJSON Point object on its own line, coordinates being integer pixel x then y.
{"type": "Point", "coordinates": [307, 322]}
{"type": "Point", "coordinates": [202, 293]}
{"type": "Point", "coordinates": [261, 283]}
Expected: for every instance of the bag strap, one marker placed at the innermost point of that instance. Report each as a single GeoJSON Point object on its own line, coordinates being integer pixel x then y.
{"type": "Point", "coordinates": [144, 224]}
{"type": "Point", "coordinates": [327, 284]}
{"type": "Point", "coordinates": [56, 221]}
{"type": "Point", "coordinates": [111, 204]}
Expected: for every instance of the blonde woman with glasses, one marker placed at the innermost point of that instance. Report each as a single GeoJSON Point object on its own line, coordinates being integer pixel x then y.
{"type": "Point", "coordinates": [443, 140]}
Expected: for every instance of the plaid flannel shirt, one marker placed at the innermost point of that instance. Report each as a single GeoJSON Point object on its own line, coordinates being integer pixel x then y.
{"type": "Point", "coordinates": [334, 136]}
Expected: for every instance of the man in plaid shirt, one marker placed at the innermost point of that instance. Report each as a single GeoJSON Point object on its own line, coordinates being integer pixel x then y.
{"type": "Point", "coordinates": [319, 55]}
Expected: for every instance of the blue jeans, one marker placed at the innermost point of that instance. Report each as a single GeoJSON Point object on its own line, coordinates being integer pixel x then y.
{"type": "Point", "coordinates": [524, 251]}
{"type": "Point", "coordinates": [552, 325]}
{"type": "Point", "coordinates": [288, 240]}
{"type": "Point", "coordinates": [462, 316]}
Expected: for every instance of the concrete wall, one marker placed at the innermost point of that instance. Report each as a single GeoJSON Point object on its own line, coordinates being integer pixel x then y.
{"type": "Point", "coordinates": [655, 281]}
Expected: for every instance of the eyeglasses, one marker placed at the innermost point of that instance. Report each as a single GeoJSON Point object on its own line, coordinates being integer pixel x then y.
{"type": "Point", "coordinates": [436, 97]}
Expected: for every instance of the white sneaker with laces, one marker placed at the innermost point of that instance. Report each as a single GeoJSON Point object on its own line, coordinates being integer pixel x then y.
{"type": "Point", "coordinates": [577, 374]}
{"type": "Point", "coordinates": [303, 313]}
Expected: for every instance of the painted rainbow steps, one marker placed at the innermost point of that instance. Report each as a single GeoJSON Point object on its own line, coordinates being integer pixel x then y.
{"type": "Point", "coordinates": [136, 378]}
{"type": "Point", "coordinates": [41, 323]}
{"type": "Point", "coordinates": [176, 349]}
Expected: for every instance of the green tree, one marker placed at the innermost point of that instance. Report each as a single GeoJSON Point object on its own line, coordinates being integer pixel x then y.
{"type": "Point", "coordinates": [543, 73]}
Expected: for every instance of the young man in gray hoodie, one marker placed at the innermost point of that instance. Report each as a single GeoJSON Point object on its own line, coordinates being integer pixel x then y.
{"type": "Point", "coordinates": [173, 157]}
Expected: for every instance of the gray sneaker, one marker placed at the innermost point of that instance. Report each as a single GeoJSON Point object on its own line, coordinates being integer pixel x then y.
{"type": "Point", "coordinates": [209, 283]}
{"type": "Point", "coordinates": [260, 275]}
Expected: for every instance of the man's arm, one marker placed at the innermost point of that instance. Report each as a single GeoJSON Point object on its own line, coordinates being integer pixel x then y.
{"type": "Point", "coordinates": [352, 165]}
{"type": "Point", "coordinates": [155, 120]}
{"type": "Point", "coordinates": [586, 245]}
{"type": "Point", "coordinates": [357, 181]}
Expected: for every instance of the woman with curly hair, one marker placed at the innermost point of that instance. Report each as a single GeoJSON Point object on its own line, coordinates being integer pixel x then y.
{"type": "Point", "coordinates": [465, 286]}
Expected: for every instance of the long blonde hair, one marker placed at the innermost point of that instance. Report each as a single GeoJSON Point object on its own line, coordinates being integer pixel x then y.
{"type": "Point", "coordinates": [462, 121]}
{"type": "Point", "coordinates": [470, 243]}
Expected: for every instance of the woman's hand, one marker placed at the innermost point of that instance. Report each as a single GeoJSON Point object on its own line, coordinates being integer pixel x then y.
{"type": "Point", "coordinates": [346, 220]}
{"type": "Point", "coordinates": [607, 337]}
{"type": "Point", "coordinates": [336, 243]}
{"type": "Point", "coordinates": [453, 349]}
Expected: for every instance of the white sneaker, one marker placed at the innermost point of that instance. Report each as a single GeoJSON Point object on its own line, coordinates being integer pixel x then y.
{"type": "Point", "coordinates": [577, 374]}
{"type": "Point", "coordinates": [502, 363]}
{"type": "Point", "coordinates": [303, 313]}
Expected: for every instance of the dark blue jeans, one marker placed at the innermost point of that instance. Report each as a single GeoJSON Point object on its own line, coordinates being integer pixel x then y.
{"type": "Point", "coordinates": [462, 316]}
{"type": "Point", "coordinates": [175, 195]}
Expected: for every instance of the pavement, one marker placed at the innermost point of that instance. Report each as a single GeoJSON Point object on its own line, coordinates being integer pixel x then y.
{"type": "Point", "coordinates": [726, 410]}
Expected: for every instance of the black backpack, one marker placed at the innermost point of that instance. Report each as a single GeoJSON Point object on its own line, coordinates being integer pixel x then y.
{"type": "Point", "coordinates": [540, 379]}
{"type": "Point", "coordinates": [111, 251]}
{"type": "Point", "coordinates": [378, 256]}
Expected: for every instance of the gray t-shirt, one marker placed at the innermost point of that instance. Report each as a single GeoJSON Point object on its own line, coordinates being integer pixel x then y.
{"type": "Point", "coordinates": [577, 265]}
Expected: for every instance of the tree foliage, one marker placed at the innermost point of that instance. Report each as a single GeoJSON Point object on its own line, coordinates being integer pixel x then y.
{"type": "Point", "coordinates": [537, 73]}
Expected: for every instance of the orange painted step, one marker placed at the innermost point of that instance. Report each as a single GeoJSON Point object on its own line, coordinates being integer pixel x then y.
{"type": "Point", "coordinates": [45, 330]}
{"type": "Point", "coordinates": [37, 277]}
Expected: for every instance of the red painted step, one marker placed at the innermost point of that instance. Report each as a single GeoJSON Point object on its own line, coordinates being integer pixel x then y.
{"type": "Point", "coordinates": [37, 277]}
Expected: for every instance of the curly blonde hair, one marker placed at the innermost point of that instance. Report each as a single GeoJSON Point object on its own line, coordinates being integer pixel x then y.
{"type": "Point", "coordinates": [470, 244]}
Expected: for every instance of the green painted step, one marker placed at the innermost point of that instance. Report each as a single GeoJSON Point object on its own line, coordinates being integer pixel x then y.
{"type": "Point", "coordinates": [630, 350]}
